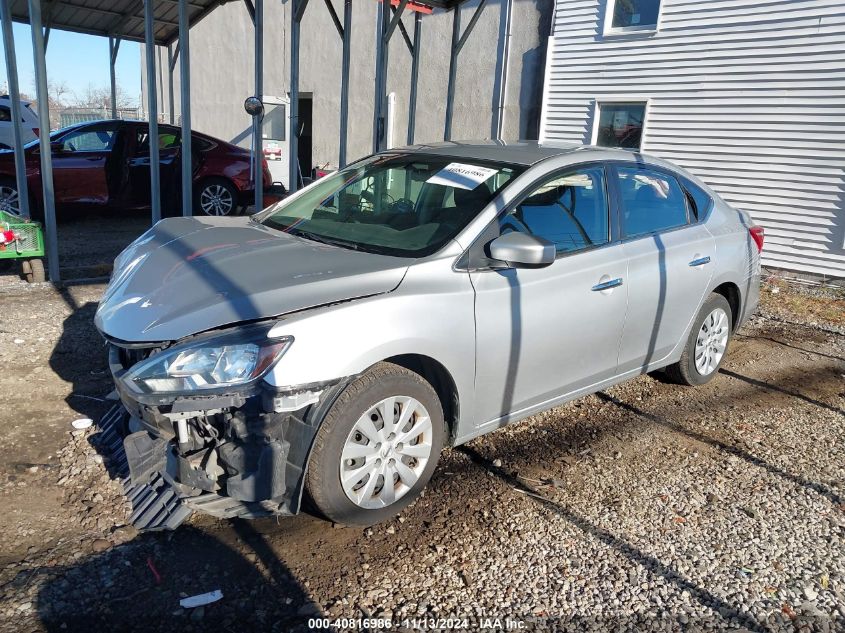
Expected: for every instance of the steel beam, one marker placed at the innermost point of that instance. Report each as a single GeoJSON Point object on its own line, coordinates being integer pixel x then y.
{"type": "Point", "coordinates": [335, 19]}
{"type": "Point", "coordinates": [152, 112]}
{"type": "Point", "coordinates": [185, 104]}
{"type": "Point", "coordinates": [382, 50]}
{"type": "Point", "coordinates": [114, 45]}
{"type": "Point", "coordinates": [458, 42]}
{"type": "Point", "coordinates": [293, 145]}
{"type": "Point", "coordinates": [344, 81]}
{"type": "Point", "coordinates": [502, 78]}
{"type": "Point", "coordinates": [415, 73]}
{"type": "Point", "coordinates": [40, 63]}
{"type": "Point", "coordinates": [15, 106]}
{"type": "Point", "coordinates": [171, 115]}
{"type": "Point", "coordinates": [259, 92]}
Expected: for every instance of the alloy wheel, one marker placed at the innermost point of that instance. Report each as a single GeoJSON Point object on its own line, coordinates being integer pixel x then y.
{"type": "Point", "coordinates": [9, 200]}
{"type": "Point", "coordinates": [711, 342]}
{"type": "Point", "coordinates": [386, 452]}
{"type": "Point", "coordinates": [216, 200]}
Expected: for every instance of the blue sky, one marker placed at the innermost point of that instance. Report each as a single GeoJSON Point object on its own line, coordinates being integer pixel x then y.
{"type": "Point", "coordinates": [77, 61]}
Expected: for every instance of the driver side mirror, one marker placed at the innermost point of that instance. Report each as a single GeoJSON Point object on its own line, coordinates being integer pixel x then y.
{"type": "Point", "coordinates": [521, 250]}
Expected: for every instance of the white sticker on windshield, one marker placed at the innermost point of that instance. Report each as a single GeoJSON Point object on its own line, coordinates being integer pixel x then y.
{"type": "Point", "coordinates": [461, 175]}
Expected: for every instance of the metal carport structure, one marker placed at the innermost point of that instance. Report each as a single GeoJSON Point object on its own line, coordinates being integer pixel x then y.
{"type": "Point", "coordinates": [163, 22]}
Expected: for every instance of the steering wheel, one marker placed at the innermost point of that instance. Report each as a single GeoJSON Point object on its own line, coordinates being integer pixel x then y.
{"type": "Point", "coordinates": [402, 205]}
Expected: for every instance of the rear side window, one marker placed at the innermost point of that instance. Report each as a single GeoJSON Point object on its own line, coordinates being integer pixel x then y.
{"type": "Point", "coordinates": [651, 201]}
{"type": "Point", "coordinates": [568, 209]}
{"type": "Point", "coordinates": [5, 114]}
{"type": "Point", "coordinates": [699, 200]}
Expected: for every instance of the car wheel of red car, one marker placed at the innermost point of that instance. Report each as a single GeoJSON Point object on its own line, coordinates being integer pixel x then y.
{"type": "Point", "coordinates": [215, 196]}
{"type": "Point", "coordinates": [9, 197]}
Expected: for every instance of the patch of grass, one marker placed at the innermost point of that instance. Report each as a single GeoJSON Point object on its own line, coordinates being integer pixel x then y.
{"type": "Point", "coordinates": [808, 304]}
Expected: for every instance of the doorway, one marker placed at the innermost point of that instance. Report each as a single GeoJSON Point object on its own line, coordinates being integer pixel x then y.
{"type": "Point", "coordinates": [304, 132]}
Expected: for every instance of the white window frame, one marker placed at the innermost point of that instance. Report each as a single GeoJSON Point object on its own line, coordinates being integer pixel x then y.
{"type": "Point", "coordinates": [632, 99]}
{"type": "Point", "coordinates": [648, 29]}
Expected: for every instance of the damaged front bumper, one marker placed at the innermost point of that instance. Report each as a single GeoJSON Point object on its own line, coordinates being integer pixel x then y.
{"type": "Point", "coordinates": [240, 453]}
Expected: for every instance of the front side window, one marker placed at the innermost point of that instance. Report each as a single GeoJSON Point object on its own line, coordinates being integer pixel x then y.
{"type": "Point", "coordinates": [408, 205]}
{"type": "Point", "coordinates": [5, 114]}
{"type": "Point", "coordinates": [568, 209]}
{"type": "Point", "coordinates": [635, 14]}
{"type": "Point", "coordinates": [88, 141]}
{"type": "Point", "coordinates": [651, 201]}
{"type": "Point", "coordinates": [620, 125]}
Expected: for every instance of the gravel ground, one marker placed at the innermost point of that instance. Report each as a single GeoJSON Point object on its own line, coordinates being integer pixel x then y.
{"type": "Point", "coordinates": [646, 507]}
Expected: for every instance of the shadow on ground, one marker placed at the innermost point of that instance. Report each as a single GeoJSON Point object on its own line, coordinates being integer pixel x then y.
{"type": "Point", "coordinates": [137, 587]}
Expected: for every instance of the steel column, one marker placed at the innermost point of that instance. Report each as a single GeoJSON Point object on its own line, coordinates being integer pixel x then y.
{"type": "Point", "coordinates": [453, 68]}
{"type": "Point", "coordinates": [15, 97]}
{"type": "Point", "coordinates": [259, 92]}
{"type": "Point", "coordinates": [114, 45]}
{"type": "Point", "coordinates": [344, 81]}
{"type": "Point", "coordinates": [293, 146]}
{"type": "Point", "coordinates": [502, 79]}
{"type": "Point", "coordinates": [458, 42]}
{"type": "Point", "coordinates": [40, 62]}
{"type": "Point", "coordinates": [382, 18]}
{"type": "Point", "coordinates": [415, 73]}
{"type": "Point", "coordinates": [171, 115]}
{"type": "Point", "coordinates": [185, 104]}
{"type": "Point", "coordinates": [152, 112]}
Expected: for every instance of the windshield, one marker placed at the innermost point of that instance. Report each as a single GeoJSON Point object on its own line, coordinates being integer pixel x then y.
{"type": "Point", "coordinates": [408, 205]}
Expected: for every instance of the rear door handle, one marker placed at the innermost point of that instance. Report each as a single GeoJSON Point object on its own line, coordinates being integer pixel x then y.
{"type": "Point", "coordinates": [700, 261]}
{"type": "Point", "coordinates": [607, 285]}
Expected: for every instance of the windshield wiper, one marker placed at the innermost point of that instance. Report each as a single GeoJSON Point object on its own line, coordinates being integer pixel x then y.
{"type": "Point", "coordinates": [324, 240]}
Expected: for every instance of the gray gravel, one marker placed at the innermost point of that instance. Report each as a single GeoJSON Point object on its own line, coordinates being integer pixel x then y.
{"type": "Point", "coordinates": [647, 507]}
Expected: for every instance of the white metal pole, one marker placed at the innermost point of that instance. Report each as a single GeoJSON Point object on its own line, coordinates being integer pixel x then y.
{"type": "Point", "coordinates": [40, 62]}
{"type": "Point", "coordinates": [185, 103]}
{"type": "Point", "coordinates": [15, 97]}
{"type": "Point", "coordinates": [152, 112]}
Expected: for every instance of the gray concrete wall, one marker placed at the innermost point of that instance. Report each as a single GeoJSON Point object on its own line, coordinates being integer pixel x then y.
{"type": "Point", "coordinates": [222, 74]}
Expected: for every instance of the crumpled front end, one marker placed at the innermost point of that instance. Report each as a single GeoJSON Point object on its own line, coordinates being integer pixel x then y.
{"type": "Point", "coordinates": [241, 452]}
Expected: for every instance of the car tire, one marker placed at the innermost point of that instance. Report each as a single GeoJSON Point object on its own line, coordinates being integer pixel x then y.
{"type": "Point", "coordinates": [216, 197]}
{"type": "Point", "coordinates": [352, 446]}
{"type": "Point", "coordinates": [8, 191]}
{"type": "Point", "coordinates": [706, 345]}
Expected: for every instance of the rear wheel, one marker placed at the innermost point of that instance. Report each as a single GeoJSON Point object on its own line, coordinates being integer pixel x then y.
{"type": "Point", "coordinates": [377, 447]}
{"type": "Point", "coordinates": [215, 196]}
{"type": "Point", "coordinates": [707, 344]}
{"type": "Point", "coordinates": [9, 200]}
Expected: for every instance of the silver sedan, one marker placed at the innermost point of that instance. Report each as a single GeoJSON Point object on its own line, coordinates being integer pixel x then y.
{"type": "Point", "coordinates": [334, 343]}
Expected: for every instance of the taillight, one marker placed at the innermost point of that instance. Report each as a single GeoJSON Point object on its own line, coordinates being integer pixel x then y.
{"type": "Point", "coordinates": [758, 235]}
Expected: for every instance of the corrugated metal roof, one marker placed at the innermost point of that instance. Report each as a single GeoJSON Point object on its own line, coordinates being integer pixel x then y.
{"type": "Point", "coordinates": [117, 18]}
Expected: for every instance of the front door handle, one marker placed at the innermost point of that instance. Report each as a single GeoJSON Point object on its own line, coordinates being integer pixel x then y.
{"type": "Point", "coordinates": [700, 261]}
{"type": "Point", "coordinates": [607, 285]}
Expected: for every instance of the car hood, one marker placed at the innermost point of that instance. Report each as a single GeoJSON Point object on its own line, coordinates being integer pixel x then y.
{"type": "Point", "coordinates": [188, 275]}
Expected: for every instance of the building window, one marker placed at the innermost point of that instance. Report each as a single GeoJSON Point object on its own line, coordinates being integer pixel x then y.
{"type": "Point", "coordinates": [634, 15]}
{"type": "Point", "coordinates": [620, 125]}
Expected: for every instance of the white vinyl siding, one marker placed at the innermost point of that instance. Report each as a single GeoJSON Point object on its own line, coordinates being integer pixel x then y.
{"type": "Point", "coordinates": [748, 96]}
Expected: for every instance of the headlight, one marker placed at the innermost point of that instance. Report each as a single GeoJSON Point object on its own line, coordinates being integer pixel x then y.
{"type": "Point", "coordinates": [233, 359]}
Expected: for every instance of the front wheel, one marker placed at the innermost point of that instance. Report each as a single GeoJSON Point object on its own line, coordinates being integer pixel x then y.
{"type": "Point", "coordinates": [215, 196]}
{"type": "Point", "coordinates": [707, 344]}
{"type": "Point", "coordinates": [377, 446]}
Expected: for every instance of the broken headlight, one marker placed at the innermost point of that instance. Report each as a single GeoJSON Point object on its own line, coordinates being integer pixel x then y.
{"type": "Point", "coordinates": [211, 363]}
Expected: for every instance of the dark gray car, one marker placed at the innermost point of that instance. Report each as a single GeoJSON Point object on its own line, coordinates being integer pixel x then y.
{"type": "Point", "coordinates": [422, 297]}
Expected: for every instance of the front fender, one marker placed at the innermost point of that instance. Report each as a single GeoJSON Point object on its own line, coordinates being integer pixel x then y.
{"type": "Point", "coordinates": [430, 314]}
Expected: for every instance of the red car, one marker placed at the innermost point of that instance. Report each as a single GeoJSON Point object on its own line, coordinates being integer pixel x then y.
{"type": "Point", "coordinates": [107, 164]}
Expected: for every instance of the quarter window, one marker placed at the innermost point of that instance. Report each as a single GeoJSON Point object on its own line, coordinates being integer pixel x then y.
{"type": "Point", "coordinates": [567, 209]}
{"type": "Point", "coordinates": [651, 201]}
{"type": "Point", "coordinates": [635, 14]}
{"type": "Point", "coordinates": [620, 125]}
{"type": "Point", "coordinates": [699, 199]}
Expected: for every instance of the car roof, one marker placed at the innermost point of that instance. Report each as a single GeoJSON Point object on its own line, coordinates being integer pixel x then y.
{"type": "Point", "coordinates": [513, 152]}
